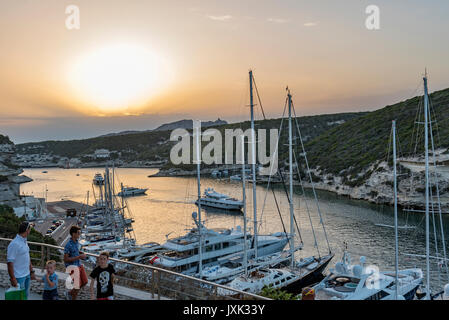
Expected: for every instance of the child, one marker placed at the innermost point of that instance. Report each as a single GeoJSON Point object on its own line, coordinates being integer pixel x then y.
{"type": "Point", "coordinates": [104, 274]}
{"type": "Point", "coordinates": [50, 280]}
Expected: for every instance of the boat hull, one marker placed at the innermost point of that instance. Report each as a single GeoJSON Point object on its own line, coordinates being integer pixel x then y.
{"type": "Point", "coordinates": [311, 278]}
{"type": "Point", "coordinates": [223, 206]}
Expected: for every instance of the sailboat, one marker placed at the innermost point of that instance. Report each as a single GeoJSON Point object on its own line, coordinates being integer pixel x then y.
{"type": "Point", "coordinates": [357, 282]}
{"type": "Point", "coordinates": [427, 132]}
{"type": "Point", "coordinates": [299, 273]}
{"type": "Point", "coordinates": [203, 247]}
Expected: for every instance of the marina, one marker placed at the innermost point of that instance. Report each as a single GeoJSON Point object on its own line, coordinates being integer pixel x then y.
{"type": "Point", "coordinates": [347, 220]}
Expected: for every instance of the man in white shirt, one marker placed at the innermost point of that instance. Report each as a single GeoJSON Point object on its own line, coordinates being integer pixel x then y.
{"type": "Point", "coordinates": [20, 269]}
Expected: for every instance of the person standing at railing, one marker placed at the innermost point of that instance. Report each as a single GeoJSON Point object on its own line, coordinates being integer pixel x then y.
{"type": "Point", "coordinates": [104, 275]}
{"type": "Point", "coordinates": [20, 269]}
{"type": "Point", "coordinates": [72, 260]}
{"type": "Point", "coordinates": [50, 280]}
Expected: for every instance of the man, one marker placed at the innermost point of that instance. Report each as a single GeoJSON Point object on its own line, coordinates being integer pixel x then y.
{"type": "Point", "coordinates": [72, 260]}
{"type": "Point", "coordinates": [20, 269]}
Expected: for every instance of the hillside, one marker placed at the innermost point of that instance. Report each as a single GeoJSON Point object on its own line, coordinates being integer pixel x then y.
{"type": "Point", "coordinates": [355, 145]}
{"type": "Point", "coordinates": [155, 145]}
{"type": "Point", "coordinates": [186, 124]}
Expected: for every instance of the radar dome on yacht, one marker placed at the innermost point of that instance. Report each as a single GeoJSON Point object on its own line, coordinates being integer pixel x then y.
{"type": "Point", "coordinates": [362, 260]}
{"type": "Point", "coordinates": [339, 267]}
{"type": "Point", "coordinates": [357, 270]}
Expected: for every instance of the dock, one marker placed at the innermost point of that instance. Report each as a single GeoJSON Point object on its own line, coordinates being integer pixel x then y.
{"type": "Point", "coordinates": [57, 211]}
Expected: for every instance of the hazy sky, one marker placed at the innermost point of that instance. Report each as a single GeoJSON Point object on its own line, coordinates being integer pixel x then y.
{"type": "Point", "coordinates": [136, 64]}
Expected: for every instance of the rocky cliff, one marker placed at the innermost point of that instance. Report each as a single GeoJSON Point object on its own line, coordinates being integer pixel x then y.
{"type": "Point", "coordinates": [9, 174]}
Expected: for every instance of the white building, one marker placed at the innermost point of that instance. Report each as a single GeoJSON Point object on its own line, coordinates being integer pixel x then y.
{"type": "Point", "coordinates": [102, 153]}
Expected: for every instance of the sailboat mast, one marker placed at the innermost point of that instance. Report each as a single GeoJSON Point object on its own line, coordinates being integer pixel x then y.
{"type": "Point", "coordinates": [245, 253]}
{"type": "Point", "coordinates": [253, 156]}
{"type": "Point", "coordinates": [197, 128]}
{"type": "Point", "coordinates": [396, 252]}
{"type": "Point", "coordinates": [426, 152]}
{"type": "Point", "coordinates": [290, 158]}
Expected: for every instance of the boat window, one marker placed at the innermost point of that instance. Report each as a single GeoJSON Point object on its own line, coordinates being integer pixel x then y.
{"type": "Point", "coordinates": [225, 244]}
{"type": "Point", "coordinates": [378, 295]}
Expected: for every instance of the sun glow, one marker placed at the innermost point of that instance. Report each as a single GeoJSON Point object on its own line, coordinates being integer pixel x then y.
{"type": "Point", "coordinates": [118, 77]}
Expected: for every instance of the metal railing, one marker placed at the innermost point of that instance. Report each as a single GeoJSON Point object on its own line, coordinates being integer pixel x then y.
{"type": "Point", "coordinates": [156, 281]}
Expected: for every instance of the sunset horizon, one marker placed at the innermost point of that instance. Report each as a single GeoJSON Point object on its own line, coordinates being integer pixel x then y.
{"type": "Point", "coordinates": [140, 65]}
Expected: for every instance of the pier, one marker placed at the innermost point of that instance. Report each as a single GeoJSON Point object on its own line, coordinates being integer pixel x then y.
{"type": "Point", "coordinates": [57, 210]}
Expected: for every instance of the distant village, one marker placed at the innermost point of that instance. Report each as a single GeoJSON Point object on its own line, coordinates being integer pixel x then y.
{"type": "Point", "coordinates": [99, 157]}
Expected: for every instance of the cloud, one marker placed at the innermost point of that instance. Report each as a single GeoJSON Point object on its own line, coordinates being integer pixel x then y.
{"type": "Point", "coordinates": [310, 24]}
{"type": "Point", "coordinates": [220, 18]}
{"type": "Point", "coordinates": [277, 20]}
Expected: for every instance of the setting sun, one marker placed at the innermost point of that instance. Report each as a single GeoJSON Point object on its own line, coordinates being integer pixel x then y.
{"type": "Point", "coordinates": [117, 77]}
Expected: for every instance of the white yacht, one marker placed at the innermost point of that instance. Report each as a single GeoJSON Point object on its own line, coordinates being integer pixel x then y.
{"type": "Point", "coordinates": [258, 279]}
{"type": "Point", "coordinates": [183, 252]}
{"type": "Point", "coordinates": [98, 179]}
{"type": "Point", "coordinates": [131, 191]}
{"type": "Point", "coordinates": [214, 199]}
{"type": "Point", "coordinates": [357, 282]}
{"type": "Point", "coordinates": [235, 266]}
{"type": "Point", "coordinates": [305, 272]}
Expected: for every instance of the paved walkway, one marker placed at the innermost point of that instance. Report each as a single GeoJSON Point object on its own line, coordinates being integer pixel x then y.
{"type": "Point", "coordinates": [129, 292]}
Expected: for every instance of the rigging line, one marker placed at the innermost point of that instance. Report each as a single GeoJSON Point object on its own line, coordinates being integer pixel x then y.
{"type": "Point", "coordinates": [275, 152]}
{"type": "Point", "coordinates": [258, 97]}
{"type": "Point", "coordinates": [308, 211]}
{"type": "Point", "coordinates": [401, 153]}
{"type": "Point", "coordinates": [431, 108]}
{"type": "Point", "coordinates": [417, 127]}
{"type": "Point", "coordinates": [389, 146]}
{"type": "Point", "coordinates": [310, 177]}
{"type": "Point", "coordinates": [289, 198]}
{"type": "Point", "coordinates": [439, 202]}
{"type": "Point", "coordinates": [279, 211]}
{"type": "Point", "coordinates": [280, 175]}
{"type": "Point", "coordinates": [294, 217]}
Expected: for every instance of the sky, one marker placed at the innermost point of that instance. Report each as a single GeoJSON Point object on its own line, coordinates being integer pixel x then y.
{"type": "Point", "coordinates": [136, 64]}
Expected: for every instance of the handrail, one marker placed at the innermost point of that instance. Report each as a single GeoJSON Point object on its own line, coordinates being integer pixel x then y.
{"type": "Point", "coordinates": [153, 268]}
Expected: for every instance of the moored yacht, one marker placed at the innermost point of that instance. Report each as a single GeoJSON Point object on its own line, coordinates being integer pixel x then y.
{"type": "Point", "coordinates": [131, 191]}
{"type": "Point", "coordinates": [183, 252]}
{"type": "Point", "coordinates": [214, 199]}
{"type": "Point", "coordinates": [357, 282]}
{"type": "Point", "coordinates": [98, 179]}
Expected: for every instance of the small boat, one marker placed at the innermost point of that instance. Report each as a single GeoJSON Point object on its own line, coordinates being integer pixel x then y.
{"type": "Point", "coordinates": [44, 171]}
{"type": "Point", "coordinates": [98, 179]}
{"type": "Point", "coordinates": [214, 199]}
{"type": "Point", "coordinates": [131, 191]}
{"type": "Point", "coordinates": [357, 282]}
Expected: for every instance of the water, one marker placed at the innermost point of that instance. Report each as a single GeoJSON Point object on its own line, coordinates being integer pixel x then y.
{"type": "Point", "coordinates": [169, 203]}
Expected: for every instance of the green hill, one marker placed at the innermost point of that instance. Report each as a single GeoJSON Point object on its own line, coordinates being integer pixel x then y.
{"type": "Point", "coordinates": [151, 145]}
{"type": "Point", "coordinates": [352, 147]}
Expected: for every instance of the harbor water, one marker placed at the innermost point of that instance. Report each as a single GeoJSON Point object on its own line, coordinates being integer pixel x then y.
{"type": "Point", "coordinates": [166, 211]}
